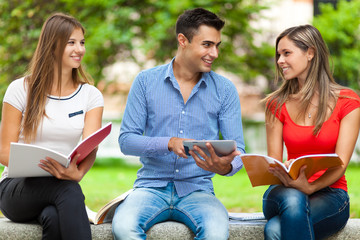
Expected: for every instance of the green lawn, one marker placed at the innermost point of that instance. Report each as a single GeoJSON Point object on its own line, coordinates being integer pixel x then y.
{"type": "Point", "coordinates": [111, 177]}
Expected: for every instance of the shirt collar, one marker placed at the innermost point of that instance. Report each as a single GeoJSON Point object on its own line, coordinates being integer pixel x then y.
{"type": "Point", "coordinates": [170, 74]}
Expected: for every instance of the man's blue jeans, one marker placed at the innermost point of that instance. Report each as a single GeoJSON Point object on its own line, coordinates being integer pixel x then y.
{"type": "Point", "coordinates": [292, 214]}
{"type": "Point", "coordinates": [201, 211]}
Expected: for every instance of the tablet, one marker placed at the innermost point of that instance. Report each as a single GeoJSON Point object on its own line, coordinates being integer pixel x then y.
{"type": "Point", "coordinates": [221, 147]}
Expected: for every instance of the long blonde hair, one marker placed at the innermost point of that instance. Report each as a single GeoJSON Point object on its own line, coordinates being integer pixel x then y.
{"type": "Point", "coordinates": [319, 78]}
{"type": "Point", "coordinates": [39, 79]}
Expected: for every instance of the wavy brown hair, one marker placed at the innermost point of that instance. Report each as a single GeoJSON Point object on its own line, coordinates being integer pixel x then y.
{"type": "Point", "coordinates": [39, 79]}
{"type": "Point", "coordinates": [319, 78]}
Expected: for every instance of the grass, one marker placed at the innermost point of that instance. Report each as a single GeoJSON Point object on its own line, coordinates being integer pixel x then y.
{"type": "Point", "coordinates": [112, 177]}
{"type": "Point", "coordinates": [116, 177]}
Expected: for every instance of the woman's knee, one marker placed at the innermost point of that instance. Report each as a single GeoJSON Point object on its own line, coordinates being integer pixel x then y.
{"type": "Point", "coordinates": [272, 229]}
{"type": "Point", "coordinates": [49, 215]}
{"type": "Point", "coordinates": [71, 191]}
{"type": "Point", "coordinates": [49, 220]}
{"type": "Point", "coordinates": [288, 198]}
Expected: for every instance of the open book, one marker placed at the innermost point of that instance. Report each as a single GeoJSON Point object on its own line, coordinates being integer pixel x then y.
{"type": "Point", "coordinates": [106, 213]}
{"type": "Point", "coordinates": [24, 158]}
{"type": "Point", "coordinates": [257, 166]}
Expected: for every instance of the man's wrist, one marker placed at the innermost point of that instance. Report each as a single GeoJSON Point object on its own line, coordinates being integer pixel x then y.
{"type": "Point", "coordinates": [228, 170]}
{"type": "Point", "coordinates": [170, 144]}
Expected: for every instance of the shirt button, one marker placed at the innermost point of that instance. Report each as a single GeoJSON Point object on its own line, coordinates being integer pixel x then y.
{"type": "Point", "coordinates": [183, 112]}
{"type": "Point", "coordinates": [177, 170]}
{"type": "Point", "coordinates": [181, 131]}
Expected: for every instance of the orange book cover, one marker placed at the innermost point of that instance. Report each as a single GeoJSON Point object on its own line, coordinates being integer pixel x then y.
{"type": "Point", "coordinates": [257, 166]}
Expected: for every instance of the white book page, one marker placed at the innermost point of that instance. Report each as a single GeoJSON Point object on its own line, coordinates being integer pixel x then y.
{"type": "Point", "coordinates": [25, 158]}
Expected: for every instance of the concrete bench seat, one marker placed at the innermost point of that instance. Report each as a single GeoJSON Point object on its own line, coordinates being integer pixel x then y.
{"type": "Point", "coordinates": [166, 231]}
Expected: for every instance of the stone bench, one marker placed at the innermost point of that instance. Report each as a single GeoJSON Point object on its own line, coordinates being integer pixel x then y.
{"type": "Point", "coordinates": [167, 231]}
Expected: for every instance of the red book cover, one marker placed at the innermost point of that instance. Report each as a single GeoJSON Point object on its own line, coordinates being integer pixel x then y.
{"type": "Point", "coordinates": [24, 158]}
{"type": "Point", "coordinates": [85, 147]}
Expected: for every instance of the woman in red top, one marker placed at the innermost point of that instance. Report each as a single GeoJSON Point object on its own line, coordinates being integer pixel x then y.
{"type": "Point", "coordinates": [311, 114]}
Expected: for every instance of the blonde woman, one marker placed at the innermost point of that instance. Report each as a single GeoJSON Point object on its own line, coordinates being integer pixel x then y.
{"type": "Point", "coordinates": [311, 114]}
{"type": "Point", "coordinates": [52, 106]}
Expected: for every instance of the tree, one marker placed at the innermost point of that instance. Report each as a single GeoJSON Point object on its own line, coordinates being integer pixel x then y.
{"type": "Point", "coordinates": [340, 28]}
{"type": "Point", "coordinates": [119, 29]}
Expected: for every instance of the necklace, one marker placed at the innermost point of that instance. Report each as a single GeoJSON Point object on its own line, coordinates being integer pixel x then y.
{"type": "Point", "coordinates": [309, 114]}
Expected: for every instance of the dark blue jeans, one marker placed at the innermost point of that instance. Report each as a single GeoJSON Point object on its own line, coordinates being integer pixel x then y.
{"type": "Point", "coordinates": [291, 214]}
{"type": "Point", "coordinates": [58, 205]}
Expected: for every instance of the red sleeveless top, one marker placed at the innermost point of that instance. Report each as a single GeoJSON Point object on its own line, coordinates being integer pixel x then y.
{"type": "Point", "coordinates": [299, 140]}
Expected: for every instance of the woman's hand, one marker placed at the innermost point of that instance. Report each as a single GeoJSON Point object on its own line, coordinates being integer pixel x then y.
{"type": "Point", "coordinates": [59, 171]}
{"type": "Point", "coordinates": [301, 183]}
{"type": "Point", "coordinates": [288, 162]}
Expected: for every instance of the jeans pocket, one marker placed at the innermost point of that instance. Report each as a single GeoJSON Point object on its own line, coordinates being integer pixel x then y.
{"type": "Point", "coordinates": [340, 193]}
{"type": "Point", "coordinates": [341, 196]}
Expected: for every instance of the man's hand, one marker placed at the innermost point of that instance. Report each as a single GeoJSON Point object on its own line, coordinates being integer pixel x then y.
{"type": "Point", "coordinates": [213, 163]}
{"type": "Point", "coordinates": [176, 145]}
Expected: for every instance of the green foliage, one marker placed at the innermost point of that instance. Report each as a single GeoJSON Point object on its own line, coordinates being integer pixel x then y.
{"type": "Point", "coordinates": [340, 29]}
{"type": "Point", "coordinates": [120, 29]}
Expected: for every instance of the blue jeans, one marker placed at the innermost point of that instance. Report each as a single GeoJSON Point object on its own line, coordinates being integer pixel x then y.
{"type": "Point", "coordinates": [291, 214]}
{"type": "Point", "coordinates": [201, 211]}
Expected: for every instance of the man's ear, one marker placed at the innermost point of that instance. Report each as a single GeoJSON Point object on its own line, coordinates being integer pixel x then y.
{"type": "Point", "coordinates": [182, 40]}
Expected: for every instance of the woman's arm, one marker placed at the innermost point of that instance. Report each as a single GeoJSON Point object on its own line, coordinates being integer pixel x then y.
{"type": "Point", "coordinates": [274, 138]}
{"type": "Point", "coordinates": [75, 172]}
{"type": "Point", "coordinates": [9, 130]}
{"type": "Point", "coordinates": [348, 134]}
{"type": "Point", "coordinates": [93, 120]}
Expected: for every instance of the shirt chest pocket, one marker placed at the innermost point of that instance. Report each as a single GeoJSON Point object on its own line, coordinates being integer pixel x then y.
{"type": "Point", "coordinates": [76, 118]}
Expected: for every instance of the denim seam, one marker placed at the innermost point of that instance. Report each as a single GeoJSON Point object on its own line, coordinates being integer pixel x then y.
{"type": "Point", "coordinates": [346, 203]}
{"type": "Point", "coordinates": [153, 217]}
{"type": "Point", "coordinates": [338, 194]}
{"type": "Point", "coordinates": [336, 213]}
{"type": "Point", "coordinates": [308, 219]}
{"type": "Point", "coordinates": [188, 215]}
{"type": "Point", "coordinates": [341, 209]}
